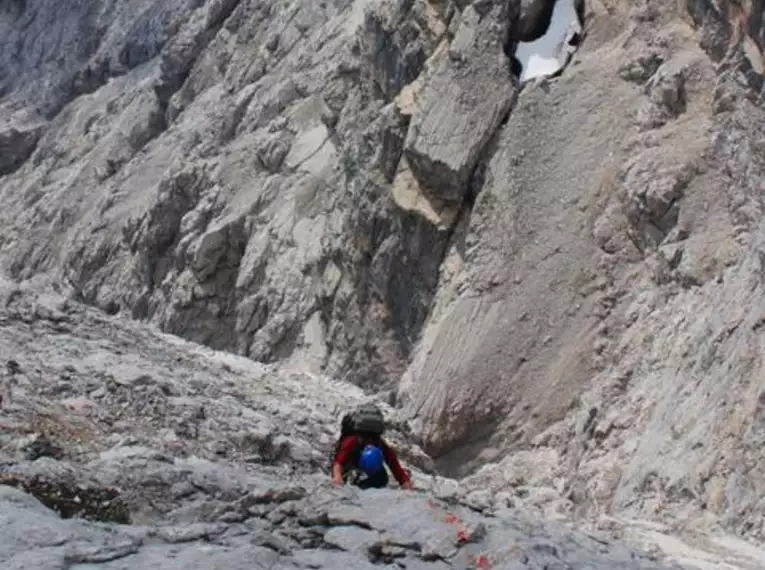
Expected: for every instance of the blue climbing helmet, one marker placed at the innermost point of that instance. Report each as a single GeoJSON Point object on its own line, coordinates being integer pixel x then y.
{"type": "Point", "coordinates": [371, 459]}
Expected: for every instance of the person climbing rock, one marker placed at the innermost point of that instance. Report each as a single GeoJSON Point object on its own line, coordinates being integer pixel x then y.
{"type": "Point", "coordinates": [361, 453]}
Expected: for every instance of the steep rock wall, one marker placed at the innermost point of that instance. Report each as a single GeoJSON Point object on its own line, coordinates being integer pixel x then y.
{"type": "Point", "coordinates": [599, 336]}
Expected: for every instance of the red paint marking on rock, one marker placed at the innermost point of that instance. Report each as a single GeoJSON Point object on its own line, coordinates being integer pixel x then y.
{"type": "Point", "coordinates": [451, 518]}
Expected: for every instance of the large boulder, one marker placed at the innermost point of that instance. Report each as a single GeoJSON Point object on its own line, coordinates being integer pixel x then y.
{"type": "Point", "coordinates": [467, 97]}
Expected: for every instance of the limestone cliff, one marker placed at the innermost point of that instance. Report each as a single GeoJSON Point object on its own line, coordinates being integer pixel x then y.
{"type": "Point", "coordinates": [562, 275]}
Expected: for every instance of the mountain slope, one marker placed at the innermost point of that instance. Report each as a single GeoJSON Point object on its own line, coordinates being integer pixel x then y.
{"type": "Point", "coordinates": [557, 281]}
{"type": "Point", "coordinates": [123, 447]}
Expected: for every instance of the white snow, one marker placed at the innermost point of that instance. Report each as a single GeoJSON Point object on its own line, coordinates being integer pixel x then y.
{"type": "Point", "coordinates": [548, 54]}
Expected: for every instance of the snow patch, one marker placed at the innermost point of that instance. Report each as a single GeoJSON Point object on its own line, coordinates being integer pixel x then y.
{"type": "Point", "coordinates": [549, 54]}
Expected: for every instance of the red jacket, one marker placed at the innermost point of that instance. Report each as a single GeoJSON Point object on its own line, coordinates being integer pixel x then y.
{"type": "Point", "coordinates": [347, 455]}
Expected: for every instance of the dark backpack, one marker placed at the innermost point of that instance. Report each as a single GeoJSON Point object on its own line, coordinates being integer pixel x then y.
{"type": "Point", "coordinates": [367, 420]}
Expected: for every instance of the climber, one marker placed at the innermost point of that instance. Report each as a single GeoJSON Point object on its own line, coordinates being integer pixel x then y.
{"type": "Point", "coordinates": [361, 453]}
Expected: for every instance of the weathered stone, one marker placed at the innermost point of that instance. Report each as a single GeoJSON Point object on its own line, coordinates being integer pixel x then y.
{"type": "Point", "coordinates": [17, 143]}
{"type": "Point", "coordinates": [336, 188]}
{"type": "Point", "coordinates": [463, 103]}
{"type": "Point", "coordinates": [223, 245]}
{"type": "Point", "coordinates": [198, 512]}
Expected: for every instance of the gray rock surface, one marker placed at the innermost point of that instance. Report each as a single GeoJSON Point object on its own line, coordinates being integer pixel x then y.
{"type": "Point", "coordinates": [223, 175]}
{"type": "Point", "coordinates": [557, 284]}
{"type": "Point", "coordinates": [330, 529]}
{"type": "Point", "coordinates": [122, 447]}
{"type": "Point", "coordinates": [468, 95]}
{"type": "Point", "coordinates": [596, 314]}
{"type": "Point", "coordinates": [19, 135]}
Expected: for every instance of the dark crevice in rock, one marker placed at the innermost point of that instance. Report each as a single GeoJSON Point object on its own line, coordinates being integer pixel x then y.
{"type": "Point", "coordinates": [532, 24]}
{"type": "Point", "coordinates": [397, 52]}
{"type": "Point", "coordinates": [478, 176]}
{"type": "Point", "coordinates": [392, 142]}
{"type": "Point", "coordinates": [736, 62]}
{"type": "Point", "coordinates": [716, 28]}
{"type": "Point", "coordinates": [145, 38]}
{"type": "Point", "coordinates": [461, 457]}
{"type": "Point", "coordinates": [343, 521]}
{"type": "Point", "coordinates": [179, 60]}
{"type": "Point", "coordinates": [90, 503]}
{"type": "Point", "coordinates": [17, 146]}
{"type": "Point", "coordinates": [516, 67]}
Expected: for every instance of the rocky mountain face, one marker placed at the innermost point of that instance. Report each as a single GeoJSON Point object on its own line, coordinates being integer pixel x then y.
{"type": "Point", "coordinates": [222, 169]}
{"type": "Point", "coordinates": [558, 283]}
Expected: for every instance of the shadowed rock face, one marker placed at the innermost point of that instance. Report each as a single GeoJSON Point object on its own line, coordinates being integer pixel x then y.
{"type": "Point", "coordinates": [733, 25]}
{"type": "Point", "coordinates": [558, 283]}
